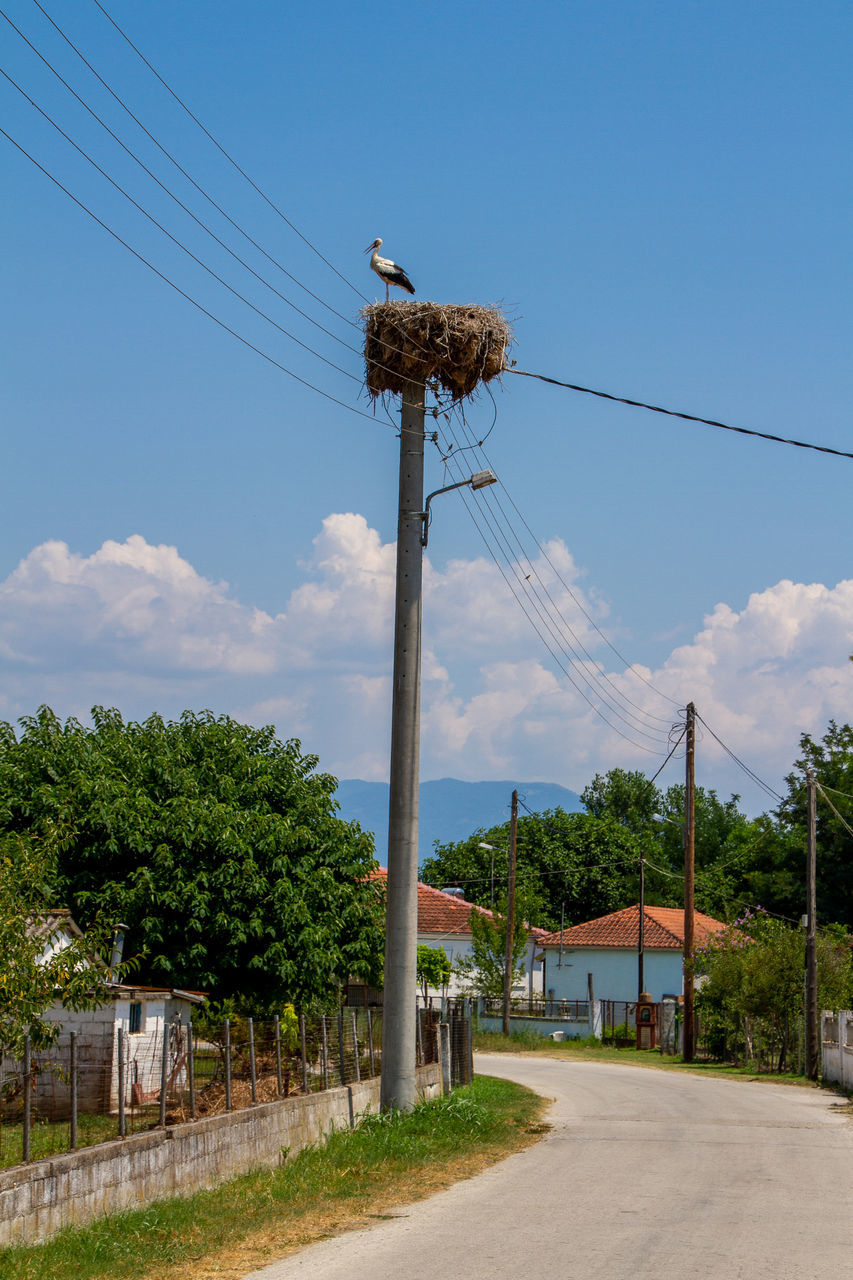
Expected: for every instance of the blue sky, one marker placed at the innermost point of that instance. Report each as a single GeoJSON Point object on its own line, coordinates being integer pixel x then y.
{"type": "Point", "coordinates": [657, 194]}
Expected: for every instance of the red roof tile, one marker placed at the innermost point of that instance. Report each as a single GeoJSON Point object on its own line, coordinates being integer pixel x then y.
{"type": "Point", "coordinates": [440, 912]}
{"type": "Point", "coordinates": [664, 930]}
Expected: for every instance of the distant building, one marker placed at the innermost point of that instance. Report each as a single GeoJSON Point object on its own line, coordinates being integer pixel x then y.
{"type": "Point", "coordinates": [444, 921]}
{"type": "Point", "coordinates": [607, 949]}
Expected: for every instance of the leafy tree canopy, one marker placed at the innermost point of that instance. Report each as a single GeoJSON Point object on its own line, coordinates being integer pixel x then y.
{"type": "Point", "coordinates": [217, 844]}
{"type": "Point", "coordinates": [433, 968]}
{"type": "Point", "coordinates": [484, 971]}
{"type": "Point", "coordinates": [567, 862]}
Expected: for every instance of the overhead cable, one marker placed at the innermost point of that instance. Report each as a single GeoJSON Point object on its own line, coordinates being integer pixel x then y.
{"type": "Point", "coordinates": [201, 190]}
{"type": "Point", "coordinates": [234, 334]}
{"type": "Point", "coordinates": [740, 763]}
{"type": "Point", "coordinates": [688, 417]}
{"type": "Point", "coordinates": [227, 154]}
{"type": "Point", "coordinates": [629, 667]}
{"type": "Point", "coordinates": [178, 243]}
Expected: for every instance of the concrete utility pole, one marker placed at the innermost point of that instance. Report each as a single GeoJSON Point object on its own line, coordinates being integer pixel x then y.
{"type": "Point", "coordinates": [812, 1013]}
{"type": "Point", "coordinates": [401, 912]}
{"type": "Point", "coordinates": [689, 865]}
{"type": "Point", "coordinates": [510, 910]}
{"type": "Point", "coordinates": [641, 939]}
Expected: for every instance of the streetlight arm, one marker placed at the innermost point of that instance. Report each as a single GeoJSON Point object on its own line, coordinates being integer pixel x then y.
{"type": "Point", "coordinates": [478, 481]}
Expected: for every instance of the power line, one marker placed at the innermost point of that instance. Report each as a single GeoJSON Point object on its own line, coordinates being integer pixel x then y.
{"type": "Point", "coordinates": [589, 672]}
{"type": "Point", "coordinates": [239, 169]}
{"type": "Point", "coordinates": [180, 169]}
{"type": "Point", "coordinates": [629, 667]}
{"type": "Point", "coordinates": [688, 417]}
{"type": "Point", "coordinates": [227, 155]}
{"type": "Point", "coordinates": [843, 822]}
{"type": "Point", "coordinates": [246, 343]}
{"type": "Point", "coordinates": [565, 667]}
{"type": "Point", "coordinates": [174, 239]}
{"type": "Point", "coordinates": [201, 190]}
{"type": "Point", "coordinates": [749, 772]}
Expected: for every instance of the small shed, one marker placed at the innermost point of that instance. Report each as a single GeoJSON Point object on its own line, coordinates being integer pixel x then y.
{"type": "Point", "coordinates": [146, 1015]}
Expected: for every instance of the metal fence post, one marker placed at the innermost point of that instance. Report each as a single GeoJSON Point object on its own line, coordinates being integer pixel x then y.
{"type": "Point", "coordinates": [72, 1067]}
{"type": "Point", "coordinates": [341, 1046]}
{"type": "Point", "coordinates": [469, 1045]}
{"type": "Point", "coordinates": [370, 1042]}
{"type": "Point", "coordinates": [444, 1041]}
{"type": "Point", "coordinates": [252, 1073]}
{"type": "Point", "coordinates": [355, 1044]}
{"type": "Point", "coordinates": [28, 1102]}
{"type": "Point", "coordinates": [302, 1053]}
{"type": "Point", "coordinates": [277, 1033]}
{"type": "Point", "coordinates": [122, 1069]}
{"type": "Point", "coordinates": [164, 1071]}
{"type": "Point", "coordinates": [227, 1048]}
{"type": "Point", "coordinates": [325, 1043]}
{"type": "Point", "coordinates": [191, 1066]}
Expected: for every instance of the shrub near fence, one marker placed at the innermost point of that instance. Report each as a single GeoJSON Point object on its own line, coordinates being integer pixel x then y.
{"type": "Point", "coordinates": [71, 1097]}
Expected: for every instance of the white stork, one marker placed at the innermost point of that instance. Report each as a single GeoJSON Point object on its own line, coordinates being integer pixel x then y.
{"type": "Point", "coordinates": [388, 270]}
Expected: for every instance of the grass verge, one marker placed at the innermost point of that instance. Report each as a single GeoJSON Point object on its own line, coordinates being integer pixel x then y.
{"type": "Point", "coordinates": [528, 1042]}
{"type": "Point", "coordinates": [355, 1177]}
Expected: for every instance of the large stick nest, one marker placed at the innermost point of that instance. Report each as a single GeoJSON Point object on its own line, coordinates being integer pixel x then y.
{"type": "Point", "coordinates": [451, 348]}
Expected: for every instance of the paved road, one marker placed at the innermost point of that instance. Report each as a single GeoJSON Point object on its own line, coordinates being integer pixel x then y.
{"type": "Point", "coordinates": [645, 1174]}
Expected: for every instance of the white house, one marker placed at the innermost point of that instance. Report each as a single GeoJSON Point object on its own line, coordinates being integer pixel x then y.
{"type": "Point", "coordinates": [444, 921]}
{"type": "Point", "coordinates": [604, 953]}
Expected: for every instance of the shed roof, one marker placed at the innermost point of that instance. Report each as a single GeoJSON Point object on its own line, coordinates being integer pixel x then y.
{"type": "Point", "coordinates": [663, 930]}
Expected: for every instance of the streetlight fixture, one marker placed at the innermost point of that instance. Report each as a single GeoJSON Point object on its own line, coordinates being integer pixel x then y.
{"type": "Point", "coordinates": [479, 480]}
{"type": "Point", "coordinates": [491, 847]}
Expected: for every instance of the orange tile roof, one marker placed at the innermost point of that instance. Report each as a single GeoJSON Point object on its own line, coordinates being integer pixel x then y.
{"type": "Point", "coordinates": [440, 912]}
{"type": "Point", "coordinates": [664, 930]}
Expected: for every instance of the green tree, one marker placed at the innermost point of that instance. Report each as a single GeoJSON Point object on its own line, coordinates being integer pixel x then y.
{"type": "Point", "coordinates": [433, 969]}
{"type": "Point", "coordinates": [567, 863]}
{"type": "Point", "coordinates": [831, 760]}
{"type": "Point", "coordinates": [626, 795]}
{"type": "Point", "coordinates": [483, 972]}
{"type": "Point", "coordinates": [37, 967]}
{"type": "Point", "coordinates": [752, 988]}
{"type": "Point", "coordinates": [216, 843]}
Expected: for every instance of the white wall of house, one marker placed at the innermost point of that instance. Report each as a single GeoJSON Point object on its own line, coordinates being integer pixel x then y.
{"type": "Point", "coordinates": [458, 946]}
{"type": "Point", "coordinates": [614, 971]}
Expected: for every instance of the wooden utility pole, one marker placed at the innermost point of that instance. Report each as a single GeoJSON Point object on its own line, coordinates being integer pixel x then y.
{"type": "Point", "coordinates": [401, 911]}
{"type": "Point", "coordinates": [812, 1012]}
{"type": "Point", "coordinates": [689, 867]}
{"type": "Point", "coordinates": [510, 911]}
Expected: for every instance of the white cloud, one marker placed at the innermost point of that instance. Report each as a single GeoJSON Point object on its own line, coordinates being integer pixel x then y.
{"type": "Point", "coordinates": [137, 626]}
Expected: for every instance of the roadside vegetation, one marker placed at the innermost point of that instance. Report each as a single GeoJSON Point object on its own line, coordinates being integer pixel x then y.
{"type": "Point", "coordinates": [356, 1177]}
{"type": "Point", "coordinates": [591, 1050]}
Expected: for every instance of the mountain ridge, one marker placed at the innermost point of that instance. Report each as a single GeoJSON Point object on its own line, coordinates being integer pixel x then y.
{"type": "Point", "coordinates": [450, 809]}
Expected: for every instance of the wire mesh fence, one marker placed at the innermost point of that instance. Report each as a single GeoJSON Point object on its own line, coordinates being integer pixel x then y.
{"type": "Point", "coordinates": [104, 1083]}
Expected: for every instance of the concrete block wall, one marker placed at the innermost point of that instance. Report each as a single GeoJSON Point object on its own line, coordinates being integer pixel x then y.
{"type": "Point", "coordinates": [837, 1048]}
{"type": "Point", "coordinates": [37, 1200]}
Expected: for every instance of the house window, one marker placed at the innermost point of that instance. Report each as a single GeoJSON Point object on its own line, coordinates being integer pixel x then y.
{"type": "Point", "coordinates": [134, 1024]}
